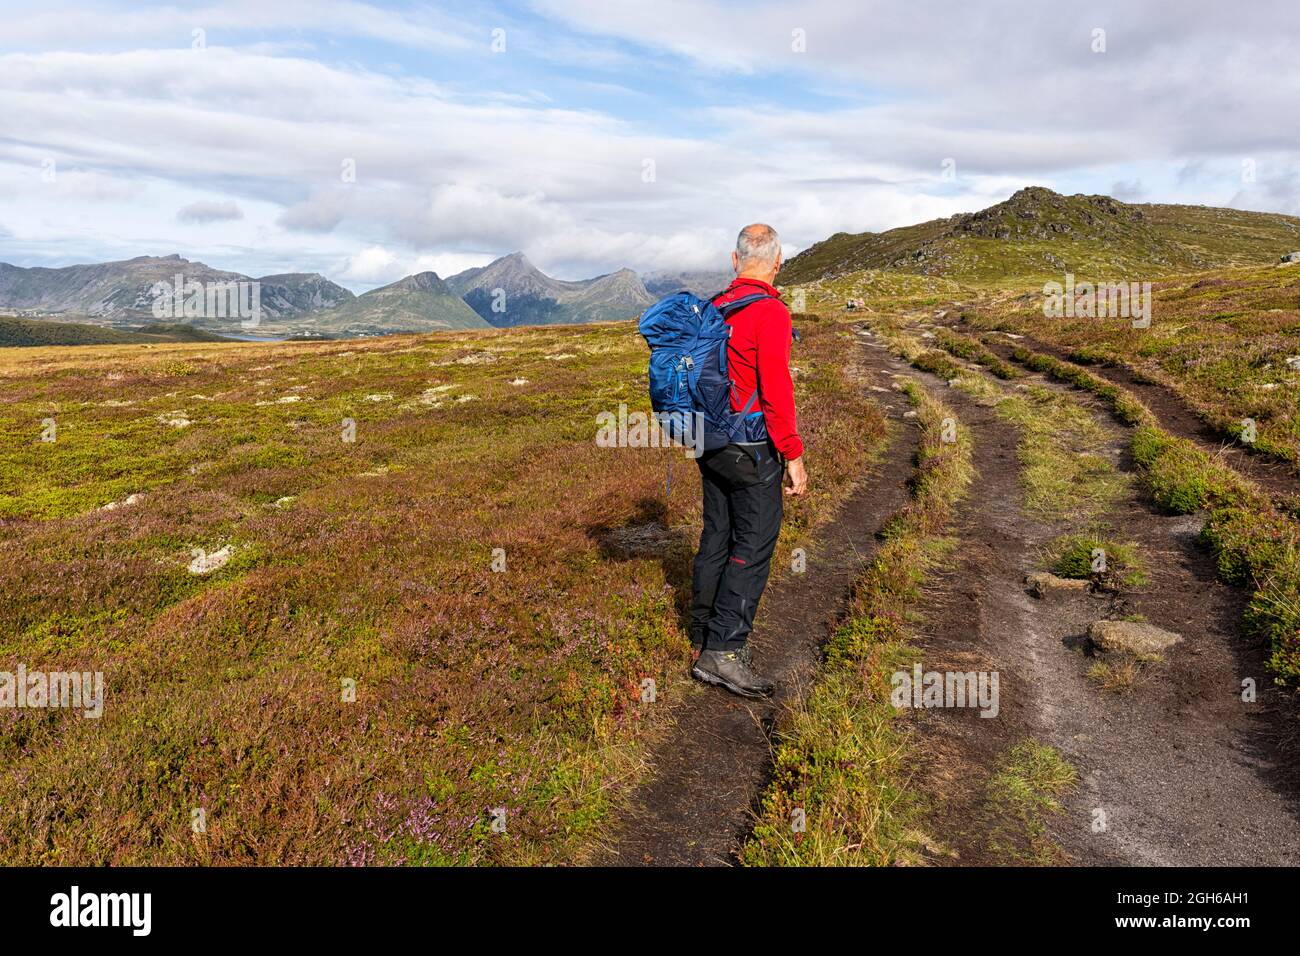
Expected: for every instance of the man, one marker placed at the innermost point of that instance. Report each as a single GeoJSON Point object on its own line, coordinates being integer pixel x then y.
{"type": "Point", "coordinates": [742, 482]}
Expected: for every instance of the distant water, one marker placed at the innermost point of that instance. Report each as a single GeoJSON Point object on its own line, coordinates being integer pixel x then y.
{"type": "Point", "coordinates": [253, 338]}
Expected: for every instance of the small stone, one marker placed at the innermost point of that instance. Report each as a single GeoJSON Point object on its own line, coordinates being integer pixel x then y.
{"type": "Point", "coordinates": [175, 419]}
{"type": "Point", "coordinates": [1040, 582]}
{"type": "Point", "coordinates": [1132, 636]}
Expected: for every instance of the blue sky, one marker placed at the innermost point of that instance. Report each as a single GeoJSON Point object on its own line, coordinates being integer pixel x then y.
{"type": "Point", "coordinates": [478, 129]}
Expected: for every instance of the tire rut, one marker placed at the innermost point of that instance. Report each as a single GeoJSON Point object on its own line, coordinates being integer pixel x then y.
{"type": "Point", "coordinates": [707, 775]}
{"type": "Point", "coordinates": [1178, 771]}
{"type": "Point", "coordinates": [1177, 417]}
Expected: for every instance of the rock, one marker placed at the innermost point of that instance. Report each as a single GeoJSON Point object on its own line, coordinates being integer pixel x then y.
{"type": "Point", "coordinates": [1293, 362]}
{"type": "Point", "coordinates": [175, 419]}
{"type": "Point", "coordinates": [1136, 638]}
{"type": "Point", "coordinates": [128, 500]}
{"type": "Point", "coordinates": [205, 563]}
{"type": "Point", "coordinates": [1040, 582]}
{"type": "Point", "coordinates": [1291, 258]}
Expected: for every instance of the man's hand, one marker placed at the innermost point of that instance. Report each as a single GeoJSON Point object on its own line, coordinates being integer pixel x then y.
{"type": "Point", "coordinates": [797, 476]}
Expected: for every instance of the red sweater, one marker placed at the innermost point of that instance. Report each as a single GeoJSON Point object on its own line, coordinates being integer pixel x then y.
{"type": "Point", "coordinates": [758, 354]}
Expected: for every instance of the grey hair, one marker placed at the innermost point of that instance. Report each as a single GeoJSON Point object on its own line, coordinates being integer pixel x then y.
{"type": "Point", "coordinates": [758, 244]}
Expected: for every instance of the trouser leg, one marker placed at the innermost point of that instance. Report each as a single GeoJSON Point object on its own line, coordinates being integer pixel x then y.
{"type": "Point", "coordinates": [711, 558]}
{"type": "Point", "coordinates": [755, 522]}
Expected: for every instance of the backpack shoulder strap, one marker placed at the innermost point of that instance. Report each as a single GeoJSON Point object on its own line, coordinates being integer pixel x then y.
{"type": "Point", "coordinates": [727, 308]}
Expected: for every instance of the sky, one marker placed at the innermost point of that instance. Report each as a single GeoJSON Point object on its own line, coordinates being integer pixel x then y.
{"type": "Point", "coordinates": [369, 141]}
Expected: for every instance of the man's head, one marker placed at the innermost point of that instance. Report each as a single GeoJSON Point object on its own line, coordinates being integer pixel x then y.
{"type": "Point", "coordinates": [758, 252]}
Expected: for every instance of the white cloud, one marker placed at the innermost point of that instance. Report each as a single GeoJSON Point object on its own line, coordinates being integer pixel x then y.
{"type": "Point", "coordinates": [450, 263]}
{"type": "Point", "coordinates": [209, 210]}
{"type": "Point", "coordinates": [372, 265]}
{"type": "Point", "coordinates": [49, 23]}
{"type": "Point", "coordinates": [376, 265]}
{"type": "Point", "coordinates": [848, 136]}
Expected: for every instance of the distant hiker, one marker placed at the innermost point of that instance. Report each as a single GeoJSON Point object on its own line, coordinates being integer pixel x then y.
{"type": "Point", "coordinates": [742, 481]}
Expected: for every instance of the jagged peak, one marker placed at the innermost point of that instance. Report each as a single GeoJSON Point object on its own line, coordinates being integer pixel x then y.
{"type": "Point", "coordinates": [517, 259]}
{"type": "Point", "coordinates": [420, 280]}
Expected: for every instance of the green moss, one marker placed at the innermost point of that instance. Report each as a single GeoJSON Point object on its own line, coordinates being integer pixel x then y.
{"type": "Point", "coordinates": [1247, 543]}
{"type": "Point", "coordinates": [1071, 556]}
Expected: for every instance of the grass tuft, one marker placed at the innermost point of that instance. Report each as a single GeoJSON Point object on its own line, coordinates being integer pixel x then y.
{"type": "Point", "coordinates": [841, 762]}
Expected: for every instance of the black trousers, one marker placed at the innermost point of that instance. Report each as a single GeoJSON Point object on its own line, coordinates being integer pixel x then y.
{"type": "Point", "coordinates": [742, 518]}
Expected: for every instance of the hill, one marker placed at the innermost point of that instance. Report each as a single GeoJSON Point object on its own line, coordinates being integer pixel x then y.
{"type": "Point", "coordinates": [123, 290]}
{"type": "Point", "coordinates": [36, 332]}
{"type": "Point", "coordinates": [417, 303]}
{"type": "Point", "coordinates": [512, 291]}
{"type": "Point", "coordinates": [1038, 233]}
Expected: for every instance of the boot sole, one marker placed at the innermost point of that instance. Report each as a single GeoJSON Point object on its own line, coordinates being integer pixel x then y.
{"type": "Point", "coordinates": [717, 681]}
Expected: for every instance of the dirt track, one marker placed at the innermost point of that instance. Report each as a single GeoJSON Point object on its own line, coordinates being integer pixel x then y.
{"type": "Point", "coordinates": [709, 773]}
{"type": "Point", "coordinates": [1175, 416]}
{"type": "Point", "coordinates": [1177, 770]}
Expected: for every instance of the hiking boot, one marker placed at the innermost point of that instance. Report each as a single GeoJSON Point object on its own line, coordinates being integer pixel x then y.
{"type": "Point", "coordinates": [731, 670]}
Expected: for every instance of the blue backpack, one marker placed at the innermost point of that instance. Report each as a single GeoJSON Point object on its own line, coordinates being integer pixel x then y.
{"type": "Point", "coordinates": [688, 336]}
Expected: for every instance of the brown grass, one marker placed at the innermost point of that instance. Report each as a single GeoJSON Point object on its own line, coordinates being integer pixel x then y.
{"type": "Point", "coordinates": [475, 689]}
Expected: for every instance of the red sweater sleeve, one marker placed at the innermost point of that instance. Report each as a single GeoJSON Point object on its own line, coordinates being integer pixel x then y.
{"type": "Point", "coordinates": [775, 386]}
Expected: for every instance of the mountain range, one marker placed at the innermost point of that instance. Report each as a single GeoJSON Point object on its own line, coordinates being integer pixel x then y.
{"type": "Point", "coordinates": [508, 292]}
{"type": "Point", "coordinates": [1035, 233]}
{"type": "Point", "coordinates": [122, 291]}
